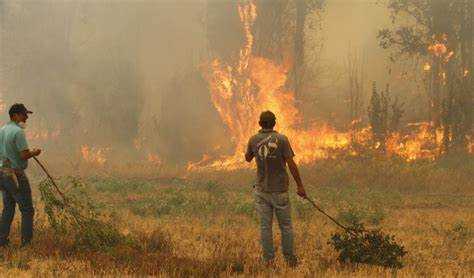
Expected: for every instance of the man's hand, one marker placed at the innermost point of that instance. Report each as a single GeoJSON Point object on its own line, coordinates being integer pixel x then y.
{"type": "Point", "coordinates": [35, 152]}
{"type": "Point", "coordinates": [301, 192]}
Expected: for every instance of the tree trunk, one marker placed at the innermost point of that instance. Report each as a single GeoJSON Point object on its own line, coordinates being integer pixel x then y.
{"type": "Point", "coordinates": [468, 61]}
{"type": "Point", "coordinates": [438, 29]}
{"type": "Point", "coordinates": [298, 65]}
{"type": "Point", "coordinates": [224, 29]}
{"type": "Point", "coordinates": [271, 29]}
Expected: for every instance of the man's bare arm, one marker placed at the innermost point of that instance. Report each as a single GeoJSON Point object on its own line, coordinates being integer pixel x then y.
{"type": "Point", "coordinates": [27, 154]}
{"type": "Point", "coordinates": [296, 175]}
{"type": "Point", "coordinates": [249, 153]}
{"type": "Point", "coordinates": [248, 157]}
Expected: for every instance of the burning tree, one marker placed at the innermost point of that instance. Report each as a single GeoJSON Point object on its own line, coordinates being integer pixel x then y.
{"type": "Point", "coordinates": [279, 33]}
{"type": "Point", "coordinates": [441, 32]}
{"type": "Point", "coordinates": [241, 88]}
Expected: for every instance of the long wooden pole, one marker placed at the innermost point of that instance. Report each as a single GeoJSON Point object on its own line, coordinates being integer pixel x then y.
{"type": "Point", "coordinates": [327, 215]}
{"type": "Point", "coordinates": [50, 177]}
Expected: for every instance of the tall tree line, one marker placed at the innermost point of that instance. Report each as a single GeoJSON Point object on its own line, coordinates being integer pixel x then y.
{"type": "Point", "coordinates": [441, 32]}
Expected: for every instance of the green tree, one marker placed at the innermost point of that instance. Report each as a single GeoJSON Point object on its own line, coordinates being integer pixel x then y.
{"type": "Point", "coordinates": [378, 116]}
{"type": "Point", "coordinates": [384, 115]}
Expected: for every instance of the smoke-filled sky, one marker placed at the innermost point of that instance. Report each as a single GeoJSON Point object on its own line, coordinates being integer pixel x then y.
{"type": "Point", "coordinates": [358, 22]}
{"type": "Point", "coordinates": [127, 75]}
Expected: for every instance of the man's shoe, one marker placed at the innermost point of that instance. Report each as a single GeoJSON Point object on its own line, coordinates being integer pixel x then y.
{"type": "Point", "coordinates": [292, 262]}
{"type": "Point", "coordinates": [25, 243]}
{"type": "Point", "coordinates": [269, 263]}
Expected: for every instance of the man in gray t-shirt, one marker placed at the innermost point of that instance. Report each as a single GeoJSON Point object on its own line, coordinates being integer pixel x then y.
{"type": "Point", "coordinates": [272, 151]}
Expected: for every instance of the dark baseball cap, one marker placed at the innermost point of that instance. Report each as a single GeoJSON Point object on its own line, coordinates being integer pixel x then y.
{"type": "Point", "coordinates": [267, 116]}
{"type": "Point", "coordinates": [18, 108]}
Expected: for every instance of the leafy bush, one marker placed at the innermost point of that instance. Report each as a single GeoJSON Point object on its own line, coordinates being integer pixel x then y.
{"type": "Point", "coordinates": [357, 245]}
{"type": "Point", "coordinates": [72, 214]}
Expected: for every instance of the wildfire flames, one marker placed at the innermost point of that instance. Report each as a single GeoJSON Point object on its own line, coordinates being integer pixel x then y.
{"type": "Point", "coordinates": [42, 134]}
{"type": "Point", "coordinates": [440, 49]}
{"type": "Point", "coordinates": [89, 154]}
{"type": "Point", "coordinates": [94, 154]}
{"type": "Point", "coordinates": [442, 54]}
{"type": "Point", "coordinates": [153, 158]}
{"type": "Point", "coordinates": [421, 144]}
{"type": "Point", "coordinates": [240, 92]}
{"type": "Point", "coordinates": [427, 67]}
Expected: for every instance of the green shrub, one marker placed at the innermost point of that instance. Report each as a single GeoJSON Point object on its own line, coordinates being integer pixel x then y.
{"type": "Point", "coordinates": [352, 214]}
{"type": "Point", "coordinates": [70, 214]}
{"type": "Point", "coordinates": [357, 245]}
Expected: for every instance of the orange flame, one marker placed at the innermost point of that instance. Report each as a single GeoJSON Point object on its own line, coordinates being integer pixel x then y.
{"type": "Point", "coordinates": [427, 67]}
{"type": "Point", "coordinates": [256, 84]}
{"type": "Point", "coordinates": [440, 48]}
{"type": "Point", "coordinates": [42, 134]}
{"type": "Point", "coordinates": [443, 54]}
{"type": "Point", "coordinates": [153, 158]}
{"type": "Point", "coordinates": [242, 91]}
{"type": "Point", "coordinates": [423, 143]}
{"type": "Point", "coordinates": [94, 154]}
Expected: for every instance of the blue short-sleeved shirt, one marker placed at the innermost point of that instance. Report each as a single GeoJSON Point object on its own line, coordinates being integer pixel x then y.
{"type": "Point", "coordinates": [12, 142]}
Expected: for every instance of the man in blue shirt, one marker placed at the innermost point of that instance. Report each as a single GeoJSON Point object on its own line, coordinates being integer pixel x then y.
{"type": "Point", "coordinates": [14, 155]}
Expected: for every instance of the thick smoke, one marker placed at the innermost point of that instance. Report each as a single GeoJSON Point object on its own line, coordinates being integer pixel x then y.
{"type": "Point", "coordinates": [127, 76]}
{"type": "Point", "coordinates": [109, 74]}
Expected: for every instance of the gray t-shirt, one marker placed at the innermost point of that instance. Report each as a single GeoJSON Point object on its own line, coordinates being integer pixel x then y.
{"type": "Point", "coordinates": [270, 149]}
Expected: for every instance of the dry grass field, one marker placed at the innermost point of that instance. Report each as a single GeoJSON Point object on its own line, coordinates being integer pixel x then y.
{"type": "Point", "coordinates": [205, 224]}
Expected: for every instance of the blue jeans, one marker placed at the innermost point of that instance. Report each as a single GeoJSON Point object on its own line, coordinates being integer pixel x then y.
{"type": "Point", "coordinates": [11, 196]}
{"type": "Point", "coordinates": [278, 203]}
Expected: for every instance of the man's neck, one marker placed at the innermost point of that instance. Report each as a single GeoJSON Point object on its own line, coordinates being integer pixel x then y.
{"type": "Point", "coordinates": [266, 130]}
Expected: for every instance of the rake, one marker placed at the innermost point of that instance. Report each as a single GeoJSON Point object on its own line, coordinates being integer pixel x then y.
{"type": "Point", "coordinates": [50, 178]}
{"type": "Point", "coordinates": [327, 215]}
